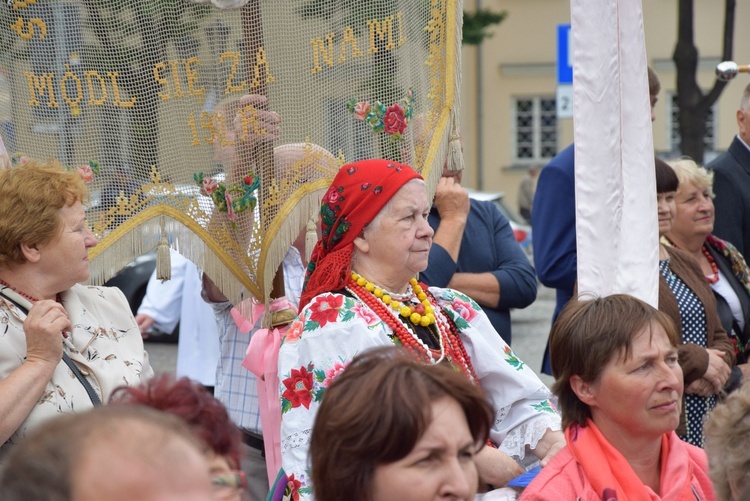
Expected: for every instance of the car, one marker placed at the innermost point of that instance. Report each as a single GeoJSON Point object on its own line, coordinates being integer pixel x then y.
{"type": "Point", "coordinates": [521, 228]}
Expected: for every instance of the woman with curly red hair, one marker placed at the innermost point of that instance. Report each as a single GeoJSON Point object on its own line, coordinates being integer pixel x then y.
{"type": "Point", "coordinates": [208, 419]}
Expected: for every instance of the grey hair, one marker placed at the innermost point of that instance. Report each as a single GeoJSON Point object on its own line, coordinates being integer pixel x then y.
{"type": "Point", "coordinates": [728, 444]}
{"type": "Point", "coordinates": [745, 101]}
{"type": "Point", "coordinates": [690, 172]}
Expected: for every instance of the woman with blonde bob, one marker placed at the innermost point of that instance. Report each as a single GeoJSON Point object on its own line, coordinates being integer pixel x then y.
{"type": "Point", "coordinates": [722, 265]}
{"type": "Point", "coordinates": [64, 347]}
{"type": "Point", "coordinates": [619, 389]}
{"type": "Point", "coordinates": [366, 448]}
{"type": "Point", "coordinates": [728, 446]}
{"type": "Point", "coordinates": [706, 354]}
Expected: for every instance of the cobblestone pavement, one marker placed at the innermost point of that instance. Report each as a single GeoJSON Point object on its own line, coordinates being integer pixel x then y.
{"type": "Point", "coordinates": [530, 330]}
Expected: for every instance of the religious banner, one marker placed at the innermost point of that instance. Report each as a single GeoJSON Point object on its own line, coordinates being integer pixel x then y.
{"type": "Point", "coordinates": [616, 219]}
{"type": "Point", "coordinates": [215, 127]}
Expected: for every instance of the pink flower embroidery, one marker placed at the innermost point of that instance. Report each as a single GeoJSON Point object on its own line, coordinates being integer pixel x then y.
{"type": "Point", "coordinates": [394, 120]}
{"type": "Point", "coordinates": [365, 314]}
{"type": "Point", "coordinates": [295, 330]}
{"type": "Point", "coordinates": [208, 185]}
{"type": "Point", "coordinates": [85, 172]}
{"type": "Point", "coordinates": [230, 208]}
{"type": "Point", "coordinates": [332, 197]}
{"type": "Point", "coordinates": [361, 109]}
{"type": "Point", "coordinates": [464, 309]}
{"type": "Point", "coordinates": [333, 373]}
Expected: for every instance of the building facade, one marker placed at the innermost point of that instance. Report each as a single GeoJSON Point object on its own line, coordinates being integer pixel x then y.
{"type": "Point", "coordinates": [508, 115]}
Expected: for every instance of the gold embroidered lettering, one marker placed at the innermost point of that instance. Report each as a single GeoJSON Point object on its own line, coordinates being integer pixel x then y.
{"type": "Point", "coordinates": [116, 89]}
{"type": "Point", "coordinates": [230, 87]}
{"type": "Point", "coordinates": [382, 30]}
{"type": "Point", "coordinates": [161, 80]}
{"type": "Point", "coordinates": [261, 61]}
{"type": "Point", "coordinates": [69, 75]}
{"type": "Point", "coordinates": [21, 4]}
{"type": "Point", "coordinates": [194, 130]}
{"type": "Point", "coordinates": [249, 118]}
{"type": "Point", "coordinates": [42, 84]}
{"type": "Point", "coordinates": [176, 78]}
{"type": "Point", "coordinates": [350, 38]}
{"type": "Point", "coordinates": [400, 19]}
{"type": "Point", "coordinates": [92, 94]}
{"type": "Point", "coordinates": [319, 47]}
{"type": "Point", "coordinates": [192, 76]}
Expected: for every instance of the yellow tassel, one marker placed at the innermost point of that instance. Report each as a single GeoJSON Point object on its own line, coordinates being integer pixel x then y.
{"type": "Point", "coordinates": [163, 261]}
{"type": "Point", "coordinates": [311, 238]}
{"type": "Point", "coordinates": [455, 153]}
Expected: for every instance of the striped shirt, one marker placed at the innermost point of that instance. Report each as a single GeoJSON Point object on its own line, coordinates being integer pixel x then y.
{"type": "Point", "coordinates": [235, 385]}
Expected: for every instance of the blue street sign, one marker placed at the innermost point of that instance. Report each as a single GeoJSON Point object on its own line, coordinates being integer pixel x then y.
{"type": "Point", "coordinates": [564, 55]}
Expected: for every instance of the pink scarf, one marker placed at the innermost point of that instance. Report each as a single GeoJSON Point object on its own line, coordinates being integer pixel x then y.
{"type": "Point", "coordinates": [612, 477]}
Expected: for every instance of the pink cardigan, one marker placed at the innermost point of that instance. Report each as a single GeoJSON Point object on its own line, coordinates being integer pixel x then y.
{"type": "Point", "coordinates": [563, 479]}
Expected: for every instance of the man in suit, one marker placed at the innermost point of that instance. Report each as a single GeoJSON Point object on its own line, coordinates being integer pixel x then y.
{"type": "Point", "coordinates": [732, 183]}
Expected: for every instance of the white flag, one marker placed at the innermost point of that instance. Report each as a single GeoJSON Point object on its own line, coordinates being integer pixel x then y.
{"type": "Point", "coordinates": [616, 215]}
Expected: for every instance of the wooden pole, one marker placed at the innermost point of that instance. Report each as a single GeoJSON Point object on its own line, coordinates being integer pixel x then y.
{"type": "Point", "coordinates": [262, 151]}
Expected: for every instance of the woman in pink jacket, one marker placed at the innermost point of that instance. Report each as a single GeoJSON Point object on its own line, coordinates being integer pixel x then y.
{"type": "Point", "coordinates": [620, 391]}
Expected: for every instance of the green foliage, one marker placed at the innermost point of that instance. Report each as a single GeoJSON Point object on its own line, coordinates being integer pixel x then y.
{"type": "Point", "coordinates": [348, 13]}
{"type": "Point", "coordinates": [477, 25]}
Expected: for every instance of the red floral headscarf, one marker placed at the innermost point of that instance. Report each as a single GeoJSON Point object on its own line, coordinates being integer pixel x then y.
{"type": "Point", "coordinates": [357, 194]}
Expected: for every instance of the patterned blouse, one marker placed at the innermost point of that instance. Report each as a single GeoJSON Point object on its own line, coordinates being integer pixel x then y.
{"type": "Point", "coordinates": [104, 340]}
{"type": "Point", "coordinates": [333, 328]}
{"type": "Point", "coordinates": [693, 318]}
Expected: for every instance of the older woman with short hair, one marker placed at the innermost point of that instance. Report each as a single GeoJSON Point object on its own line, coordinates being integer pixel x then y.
{"type": "Point", "coordinates": [428, 413]}
{"type": "Point", "coordinates": [64, 347]}
{"type": "Point", "coordinates": [361, 292]}
{"type": "Point", "coordinates": [723, 266]}
{"type": "Point", "coordinates": [706, 353]}
{"type": "Point", "coordinates": [619, 387]}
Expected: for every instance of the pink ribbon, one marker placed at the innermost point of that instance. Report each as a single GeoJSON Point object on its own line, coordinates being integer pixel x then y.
{"type": "Point", "coordinates": [262, 359]}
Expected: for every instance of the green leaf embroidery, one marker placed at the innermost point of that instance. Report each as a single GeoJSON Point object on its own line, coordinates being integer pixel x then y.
{"type": "Point", "coordinates": [311, 325]}
{"type": "Point", "coordinates": [347, 316]}
{"type": "Point", "coordinates": [544, 407]}
{"type": "Point", "coordinates": [319, 395]}
{"type": "Point", "coordinates": [512, 360]}
{"type": "Point", "coordinates": [460, 322]}
{"type": "Point", "coordinates": [286, 406]}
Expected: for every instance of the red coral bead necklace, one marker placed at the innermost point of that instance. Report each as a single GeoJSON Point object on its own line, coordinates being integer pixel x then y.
{"type": "Point", "coordinates": [451, 346]}
{"type": "Point", "coordinates": [714, 268]}
{"type": "Point", "coordinates": [18, 291]}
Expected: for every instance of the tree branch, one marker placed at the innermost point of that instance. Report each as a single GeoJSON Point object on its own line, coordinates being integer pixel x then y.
{"type": "Point", "coordinates": [726, 55]}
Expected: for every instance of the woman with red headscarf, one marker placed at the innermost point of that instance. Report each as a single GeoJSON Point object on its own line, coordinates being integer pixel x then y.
{"type": "Point", "coordinates": [361, 292]}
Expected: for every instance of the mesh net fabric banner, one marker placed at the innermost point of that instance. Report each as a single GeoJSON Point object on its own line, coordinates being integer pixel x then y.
{"type": "Point", "coordinates": [219, 124]}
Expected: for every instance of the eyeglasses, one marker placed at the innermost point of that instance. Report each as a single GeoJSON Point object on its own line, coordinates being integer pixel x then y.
{"type": "Point", "coordinates": [228, 484]}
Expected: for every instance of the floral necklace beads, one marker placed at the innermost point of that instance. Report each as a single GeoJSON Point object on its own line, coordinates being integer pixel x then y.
{"type": "Point", "coordinates": [422, 313]}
